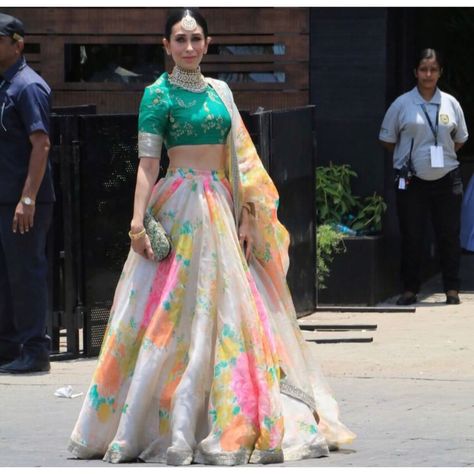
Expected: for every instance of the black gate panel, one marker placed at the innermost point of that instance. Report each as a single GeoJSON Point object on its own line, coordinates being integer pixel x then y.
{"type": "Point", "coordinates": [63, 297]}
{"type": "Point", "coordinates": [108, 166]}
{"type": "Point", "coordinates": [286, 146]}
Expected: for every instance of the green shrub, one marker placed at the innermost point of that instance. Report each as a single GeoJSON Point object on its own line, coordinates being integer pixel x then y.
{"type": "Point", "coordinates": [337, 207]}
{"type": "Point", "coordinates": [328, 243]}
{"type": "Point", "coordinates": [334, 197]}
{"type": "Point", "coordinates": [369, 215]}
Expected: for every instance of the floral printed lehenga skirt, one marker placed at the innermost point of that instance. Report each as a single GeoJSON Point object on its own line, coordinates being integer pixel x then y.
{"type": "Point", "coordinates": [200, 361]}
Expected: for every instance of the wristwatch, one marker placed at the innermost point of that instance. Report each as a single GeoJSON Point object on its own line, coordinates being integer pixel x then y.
{"type": "Point", "coordinates": [27, 201]}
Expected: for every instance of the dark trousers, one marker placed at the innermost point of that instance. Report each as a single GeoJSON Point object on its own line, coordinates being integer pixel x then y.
{"type": "Point", "coordinates": [440, 201]}
{"type": "Point", "coordinates": [23, 285]}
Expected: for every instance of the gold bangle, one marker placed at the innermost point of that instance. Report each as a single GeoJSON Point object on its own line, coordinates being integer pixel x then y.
{"type": "Point", "coordinates": [137, 235]}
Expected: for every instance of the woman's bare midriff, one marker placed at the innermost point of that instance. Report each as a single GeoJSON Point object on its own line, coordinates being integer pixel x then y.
{"type": "Point", "coordinates": [199, 157]}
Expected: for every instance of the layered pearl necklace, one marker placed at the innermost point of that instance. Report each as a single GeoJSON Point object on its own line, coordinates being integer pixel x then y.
{"type": "Point", "coordinates": [192, 81]}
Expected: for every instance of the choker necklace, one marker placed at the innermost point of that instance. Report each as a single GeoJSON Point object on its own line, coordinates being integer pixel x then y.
{"type": "Point", "coordinates": [192, 81]}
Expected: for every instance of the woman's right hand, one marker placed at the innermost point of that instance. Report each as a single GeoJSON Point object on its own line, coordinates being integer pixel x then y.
{"type": "Point", "coordinates": [146, 177]}
{"type": "Point", "coordinates": [142, 246]}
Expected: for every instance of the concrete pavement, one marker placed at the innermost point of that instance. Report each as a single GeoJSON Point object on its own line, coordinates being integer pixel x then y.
{"type": "Point", "coordinates": [408, 395]}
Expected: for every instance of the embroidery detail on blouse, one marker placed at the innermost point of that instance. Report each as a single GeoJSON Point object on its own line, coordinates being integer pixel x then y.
{"type": "Point", "coordinates": [185, 105]}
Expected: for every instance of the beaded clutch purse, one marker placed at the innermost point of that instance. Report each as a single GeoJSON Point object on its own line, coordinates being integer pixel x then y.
{"type": "Point", "coordinates": [159, 239]}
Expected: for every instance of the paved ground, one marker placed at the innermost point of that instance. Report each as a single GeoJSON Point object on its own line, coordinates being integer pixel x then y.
{"type": "Point", "coordinates": [408, 394]}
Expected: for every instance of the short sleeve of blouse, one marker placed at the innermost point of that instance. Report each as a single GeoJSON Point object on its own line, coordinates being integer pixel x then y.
{"type": "Point", "coordinates": [461, 132]}
{"type": "Point", "coordinates": [391, 124]}
{"type": "Point", "coordinates": [152, 121]}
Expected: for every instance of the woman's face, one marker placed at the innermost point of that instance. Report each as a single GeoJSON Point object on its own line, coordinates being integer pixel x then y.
{"type": "Point", "coordinates": [186, 47]}
{"type": "Point", "coordinates": [428, 73]}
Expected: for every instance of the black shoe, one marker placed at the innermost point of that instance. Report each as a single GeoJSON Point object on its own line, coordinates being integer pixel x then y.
{"type": "Point", "coordinates": [406, 300]}
{"type": "Point", "coordinates": [8, 356]}
{"type": "Point", "coordinates": [25, 364]}
{"type": "Point", "coordinates": [6, 360]}
{"type": "Point", "coordinates": [452, 299]}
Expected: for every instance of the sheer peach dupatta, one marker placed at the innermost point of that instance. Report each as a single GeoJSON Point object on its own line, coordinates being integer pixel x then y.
{"type": "Point", "coordinates": [301, 377]}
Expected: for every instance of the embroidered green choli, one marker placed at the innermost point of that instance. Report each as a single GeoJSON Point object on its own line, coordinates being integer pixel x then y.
{"type": "Point", "coordinates": [176, 116]}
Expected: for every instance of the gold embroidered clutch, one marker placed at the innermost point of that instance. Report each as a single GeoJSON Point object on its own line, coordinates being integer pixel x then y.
{"type": "Point", "coordinates": [159, 239]}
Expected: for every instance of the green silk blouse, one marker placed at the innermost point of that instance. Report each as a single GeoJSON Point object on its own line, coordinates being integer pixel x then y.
{"type": "Point", "coordinates": [176, 116]}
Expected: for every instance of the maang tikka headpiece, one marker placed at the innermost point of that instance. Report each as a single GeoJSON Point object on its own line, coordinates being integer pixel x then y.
{"type": "Point", "coordinates": [188, 23]}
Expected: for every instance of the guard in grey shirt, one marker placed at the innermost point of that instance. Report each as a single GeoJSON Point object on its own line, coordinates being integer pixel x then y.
{"type": "Point", "coordinates": [424, 128]}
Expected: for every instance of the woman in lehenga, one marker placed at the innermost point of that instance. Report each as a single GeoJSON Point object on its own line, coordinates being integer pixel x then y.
{"type": "Point", "coordinates": [203, 360]}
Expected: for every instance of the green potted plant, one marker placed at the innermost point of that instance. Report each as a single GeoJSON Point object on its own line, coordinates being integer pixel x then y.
{"type": "Point", "coordinates": [349, 258]}
{"type": "Point", "coordinates": [368, 219]}
{"type": "Point", "coordinates": [334, 197]}
{"type": "Point", "coordinates": [337, 206]}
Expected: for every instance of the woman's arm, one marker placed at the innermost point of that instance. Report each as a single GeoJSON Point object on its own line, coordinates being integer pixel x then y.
{"type": "Point", "coordinates": [388, 146]}
{"type": "Point", "coordinates": [147, 175]}
{"type": "Point", "coordinates": [461, 134]}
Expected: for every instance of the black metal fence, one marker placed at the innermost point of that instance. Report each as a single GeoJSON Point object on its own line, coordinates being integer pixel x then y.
{"type": "Point", "coordinates": [95, 162]}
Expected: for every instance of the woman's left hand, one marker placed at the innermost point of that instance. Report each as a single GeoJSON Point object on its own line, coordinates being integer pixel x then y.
{"type": "Point", "coordinates": [245, 234]}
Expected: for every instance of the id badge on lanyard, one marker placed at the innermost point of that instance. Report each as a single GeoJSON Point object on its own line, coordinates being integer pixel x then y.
{"type": "Point", "coordinates": [437, 157]}
{"type": "Point", "coordinates": [436, 151]}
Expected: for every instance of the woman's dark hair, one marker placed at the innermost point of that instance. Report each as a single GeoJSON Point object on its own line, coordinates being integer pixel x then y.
{"type": "Point", "coordinates": [429, 53]}
{"type": "Point", "coordinates": [177, 15]}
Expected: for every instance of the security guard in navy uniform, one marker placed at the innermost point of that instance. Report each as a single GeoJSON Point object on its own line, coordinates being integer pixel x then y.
{"type": "Point", "coordinates": [26, 206]}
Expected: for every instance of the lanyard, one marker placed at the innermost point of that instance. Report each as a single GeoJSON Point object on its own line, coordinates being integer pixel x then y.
{"type": "Point", "coordinates": [435, 128]}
